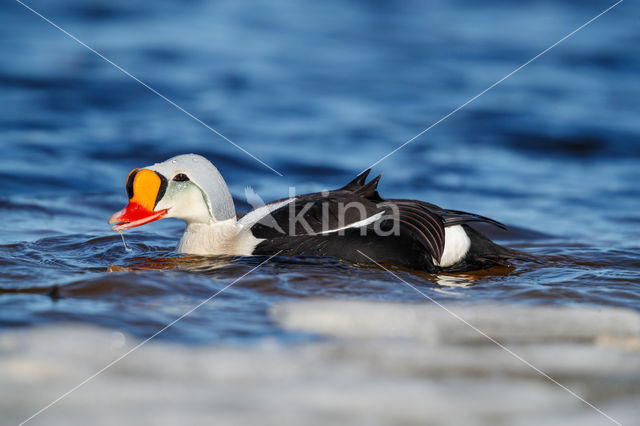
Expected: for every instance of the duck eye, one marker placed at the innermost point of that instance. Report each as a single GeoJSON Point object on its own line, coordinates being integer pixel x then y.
{"type": "Point", "coordinates": [181, 177]}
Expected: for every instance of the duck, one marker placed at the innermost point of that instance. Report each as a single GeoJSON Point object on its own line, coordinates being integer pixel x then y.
{"type": "Point", "coordinates": [352, 223]}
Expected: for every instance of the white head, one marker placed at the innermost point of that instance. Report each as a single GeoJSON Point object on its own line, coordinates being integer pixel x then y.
{"type": "Point", "coordinates": [186, 187]}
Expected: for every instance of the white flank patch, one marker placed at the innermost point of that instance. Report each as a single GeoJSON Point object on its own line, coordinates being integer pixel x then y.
{"type": "Point", "coordinates": [254, 216]}
{"type": "Point", "coordinates": [456, 245]}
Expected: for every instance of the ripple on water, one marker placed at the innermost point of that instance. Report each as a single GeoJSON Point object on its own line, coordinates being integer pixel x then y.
{"type": "Point", "coordinates": [552, 153]}
{"type": "Point", "coordinates": [107, 285]}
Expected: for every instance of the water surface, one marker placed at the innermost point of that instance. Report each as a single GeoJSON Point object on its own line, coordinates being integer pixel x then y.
{"type": "Point", "coordinates": [319, 91]}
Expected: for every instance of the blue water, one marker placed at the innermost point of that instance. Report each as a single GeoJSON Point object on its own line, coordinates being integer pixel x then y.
{"type": "Point", "coordinates": [318, 91]}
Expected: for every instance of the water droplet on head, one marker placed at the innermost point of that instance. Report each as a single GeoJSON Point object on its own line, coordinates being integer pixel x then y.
{"type": "Point", "coordinates": [194, 159]}
{"type": "Point", "coordinates": [173, 161]}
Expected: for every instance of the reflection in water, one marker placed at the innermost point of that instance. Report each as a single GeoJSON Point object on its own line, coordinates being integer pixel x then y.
{"type": "Point", "coordinates": [189, 263]}
{"type": "Point", "coordinates": [446, 280]}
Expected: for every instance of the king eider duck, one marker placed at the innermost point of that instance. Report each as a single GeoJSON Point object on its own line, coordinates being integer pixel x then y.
{"type": "Point", "coordinates": [353, 223]}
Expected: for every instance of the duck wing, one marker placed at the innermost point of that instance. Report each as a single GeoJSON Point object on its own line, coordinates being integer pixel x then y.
{"type": "Point", "coordinates": [338, 223]}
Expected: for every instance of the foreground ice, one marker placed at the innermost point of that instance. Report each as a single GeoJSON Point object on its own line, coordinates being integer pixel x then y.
{"type": "Point", "coordinates": [383, 363]}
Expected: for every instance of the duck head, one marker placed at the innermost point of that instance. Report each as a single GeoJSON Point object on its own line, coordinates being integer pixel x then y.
{"type": "Point", "coordinates": [185, 187]}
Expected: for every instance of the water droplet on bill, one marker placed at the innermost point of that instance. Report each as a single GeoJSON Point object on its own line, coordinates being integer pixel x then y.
{"type": "Point", "coordinates": [126, 247]}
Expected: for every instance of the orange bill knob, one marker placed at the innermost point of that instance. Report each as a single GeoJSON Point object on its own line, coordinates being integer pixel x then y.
{"type": "Point", "coordinates": [144, 188]}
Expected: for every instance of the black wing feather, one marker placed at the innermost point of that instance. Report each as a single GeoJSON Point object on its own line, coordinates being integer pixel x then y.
{"type": "Point", "coordinates": [451, 217]}
{"type": "Point", "coordinates": [357, 183]}
{"type": "Point", "coordinates": [457, 217]}
{"type": "Point", "coordinates": [428, 226]}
